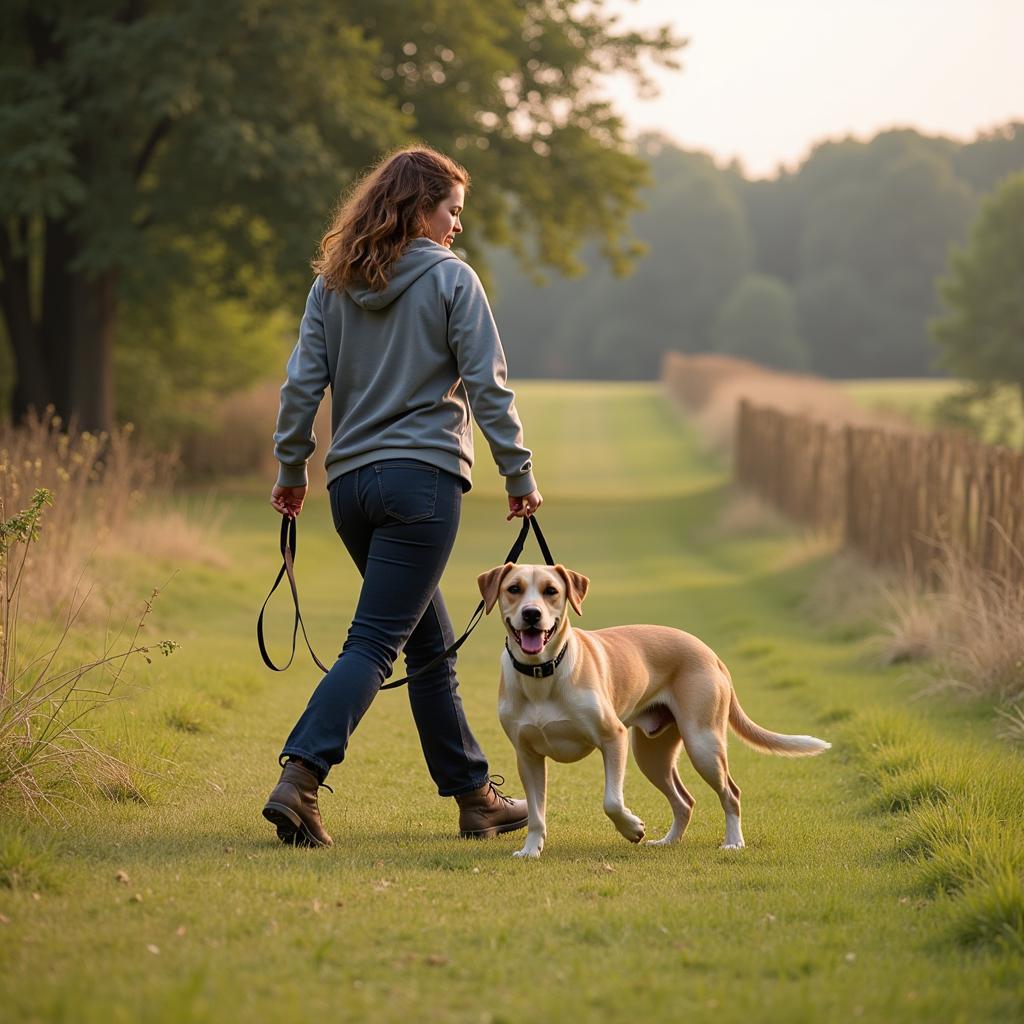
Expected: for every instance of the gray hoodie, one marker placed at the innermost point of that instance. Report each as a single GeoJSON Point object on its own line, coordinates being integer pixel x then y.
{"type": "Point", "coordinates": [405, 366]}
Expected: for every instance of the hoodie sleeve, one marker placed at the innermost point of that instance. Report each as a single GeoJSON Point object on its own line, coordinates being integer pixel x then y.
{"type": "Point", "coordinates": [473, 338]}
{"type": "Point", "coordinates": [301, 394]}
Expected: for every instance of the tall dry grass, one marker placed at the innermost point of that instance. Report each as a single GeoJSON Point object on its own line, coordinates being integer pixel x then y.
{"type": "Point", "coordinates": [969, 624]}
{"type": "Point", "coordinates": [964, 633]}
{"type": "Point", "coordinates": [111, 496]}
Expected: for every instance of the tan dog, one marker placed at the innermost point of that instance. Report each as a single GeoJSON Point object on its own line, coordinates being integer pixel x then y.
{"type": "Point", "coordinates": [564, 692]}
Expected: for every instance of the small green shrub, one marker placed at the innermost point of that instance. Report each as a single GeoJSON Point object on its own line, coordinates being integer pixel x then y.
{"type": "Point", "coordinates": [991, 912]}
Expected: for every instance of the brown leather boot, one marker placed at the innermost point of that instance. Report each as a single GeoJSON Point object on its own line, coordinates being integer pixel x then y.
{"type": "Point", "coordinates": [486, 811]}
{"type": "Point", "coordinates": [292, 807]}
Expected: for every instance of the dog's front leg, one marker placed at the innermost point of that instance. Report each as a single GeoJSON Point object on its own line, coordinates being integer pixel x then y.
{"type": "Point", "coordinates": [533, 770]}
{"type": "Point", "coordinates": [614, 750]}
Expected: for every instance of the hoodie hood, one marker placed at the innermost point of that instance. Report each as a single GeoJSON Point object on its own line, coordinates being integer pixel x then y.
{"type": "Point", "coordinates": [418, 257]}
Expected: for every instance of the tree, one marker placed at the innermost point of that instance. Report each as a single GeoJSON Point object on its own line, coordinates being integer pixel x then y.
{"type": "Point", "coordinates": [881, 214]}
{"type": "Point", "coordinates": [838, 320]}
{"type": "Point", "coordinates": [758, 322]}
{"type": "Point", "coordinates": [136, 136]}
{"type": "Point", "coordinates": [991, 156]}
{"type": "Point", "coordinates": [698, 249]}
{"type": "Point", "coordinates": [982, 336]}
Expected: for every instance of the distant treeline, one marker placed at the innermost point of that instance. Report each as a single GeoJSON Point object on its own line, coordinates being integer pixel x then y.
{"type": "Point", "coordinates": [832, 268]}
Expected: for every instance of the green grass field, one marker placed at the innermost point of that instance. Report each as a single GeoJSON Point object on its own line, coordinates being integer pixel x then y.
{"type": "Point", "coordinates": [997, 420]}
{"type": "Point", "coordinates": [913, 399]}
{"type": "Point", "coordinates": [881, 881]}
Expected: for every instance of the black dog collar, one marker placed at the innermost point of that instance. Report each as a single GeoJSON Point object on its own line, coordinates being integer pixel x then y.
{"type": "Point", "coordinates": [541, 671]}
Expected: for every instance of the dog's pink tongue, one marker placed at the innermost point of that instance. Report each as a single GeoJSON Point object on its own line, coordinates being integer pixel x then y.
{"type": "Point", "coordinates": [533, 642]}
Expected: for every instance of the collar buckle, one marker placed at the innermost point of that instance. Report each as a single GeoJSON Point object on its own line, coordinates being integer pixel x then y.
{"type": "Point", "coordinates": [541, 671]}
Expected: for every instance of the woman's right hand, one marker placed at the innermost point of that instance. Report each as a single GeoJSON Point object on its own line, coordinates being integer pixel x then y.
{"type": "Point", "coordinates": [288, 500]}
{"type": "Point", "coordinates": [523, 507]}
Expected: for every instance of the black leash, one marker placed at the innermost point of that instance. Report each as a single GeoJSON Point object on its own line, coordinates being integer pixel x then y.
{"type": "Point", "coordinates": [288, 569]}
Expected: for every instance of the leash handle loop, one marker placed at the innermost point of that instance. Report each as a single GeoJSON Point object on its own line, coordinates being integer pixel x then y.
{"type": "Point", "coordinates": [541, 542]}
{"type": "Point", "coordinates": [288, 545]}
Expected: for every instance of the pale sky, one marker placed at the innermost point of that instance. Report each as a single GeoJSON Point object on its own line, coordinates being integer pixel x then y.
{"type": "Point", "coordinates": [763, 80]}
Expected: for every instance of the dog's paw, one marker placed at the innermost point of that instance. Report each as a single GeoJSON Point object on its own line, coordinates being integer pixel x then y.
{"type": "Point", "coordinates": [630, 826]}
{"type": "Point", "coordinates": [527, 853]}
{"type": "Point", "coordinates": [733, 846]}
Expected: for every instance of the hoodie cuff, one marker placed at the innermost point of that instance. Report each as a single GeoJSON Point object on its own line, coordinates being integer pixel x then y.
{"type": "Point", "coordinates": [520, 486]}
{"type": "Point", "coordinates": [292, 476]}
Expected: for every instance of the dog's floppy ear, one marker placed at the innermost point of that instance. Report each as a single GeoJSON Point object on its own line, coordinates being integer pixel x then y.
{"type": "Point", "coordinates": [490, 583]}
{"type": "Point", "coordinates": [577, 586]}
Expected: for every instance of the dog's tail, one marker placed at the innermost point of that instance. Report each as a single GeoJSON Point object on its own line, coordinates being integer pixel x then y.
{"type": "Point", "coordinates": [773, 742]}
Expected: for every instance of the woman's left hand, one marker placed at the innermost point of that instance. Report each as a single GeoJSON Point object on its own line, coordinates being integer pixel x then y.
{"type": "Point", "coordinates": [524, 507]}
{"type": "Point", "coordinates": [288, 500]}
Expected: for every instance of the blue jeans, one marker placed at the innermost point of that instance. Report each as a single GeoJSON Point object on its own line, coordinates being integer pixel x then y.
{"type": "Point", "coordinates": [398, 519]}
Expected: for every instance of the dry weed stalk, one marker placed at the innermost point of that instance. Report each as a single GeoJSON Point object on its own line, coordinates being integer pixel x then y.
{"type": "Point", "coordinates": [42, 704]}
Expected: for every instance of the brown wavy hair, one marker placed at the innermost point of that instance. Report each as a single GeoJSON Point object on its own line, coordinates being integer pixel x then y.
{"type": "Point", "coordinates": [386, 208]}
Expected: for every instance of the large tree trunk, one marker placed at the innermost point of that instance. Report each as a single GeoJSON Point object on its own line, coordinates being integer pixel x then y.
{"type": "Point", "coordinates": [31, 374]}
{"type": "Point", "coordinates": [88, 373]}
{"type": "Point", "coordinates": [65, 357]}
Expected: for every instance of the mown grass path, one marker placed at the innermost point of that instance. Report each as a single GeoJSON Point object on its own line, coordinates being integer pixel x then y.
{"type": "Point", "coordinates": [818, 919]}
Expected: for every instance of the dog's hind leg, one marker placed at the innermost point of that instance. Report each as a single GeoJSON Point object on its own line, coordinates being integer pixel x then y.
{"type": "Point", "coordinates": [657, 756]}
{"type": "Point", "coordinates": [706, 749]}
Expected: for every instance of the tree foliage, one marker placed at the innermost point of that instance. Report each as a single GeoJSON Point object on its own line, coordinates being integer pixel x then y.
{"type": "Point", "coordinates": [698, 249]}
{"type": "Point", "coordinates": [982, 335]}
{"type": "Point", "coordinates": [758, 322]}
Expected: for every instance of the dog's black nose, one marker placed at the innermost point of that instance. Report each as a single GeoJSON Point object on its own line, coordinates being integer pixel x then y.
{"type": "Point", "coordinates": [531, 616]}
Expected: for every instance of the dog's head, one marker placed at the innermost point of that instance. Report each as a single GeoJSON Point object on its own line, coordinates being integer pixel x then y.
{"type": "Point", "coordinates": [533, 600]}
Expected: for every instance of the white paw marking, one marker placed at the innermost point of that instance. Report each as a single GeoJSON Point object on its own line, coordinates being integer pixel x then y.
{"type": "Point", "coordinates": [630, 826]}
{"type": "Point", "coordinates": [669, 839]}
{"type": "Point", "coordinates": [527, 853]}
{"type": "Point", "coordinates": [733, 846]}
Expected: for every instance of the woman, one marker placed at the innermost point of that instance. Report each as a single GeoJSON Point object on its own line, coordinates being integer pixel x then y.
{"type": "Point", "coordinates": [400, 328]}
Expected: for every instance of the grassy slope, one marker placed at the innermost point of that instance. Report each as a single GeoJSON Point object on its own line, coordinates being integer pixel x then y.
{"type": "Point", "coordinates": [819, 918]}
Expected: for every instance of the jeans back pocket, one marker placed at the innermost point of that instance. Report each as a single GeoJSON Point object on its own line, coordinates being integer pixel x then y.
{"type": "Point", "coordinates": [408, 489]}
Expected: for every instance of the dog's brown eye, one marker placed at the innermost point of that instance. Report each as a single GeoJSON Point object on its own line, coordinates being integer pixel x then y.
{"type": "Point", "coordinates": [515, 589]}
{"type": "Point", "coordinates": [550, 591]}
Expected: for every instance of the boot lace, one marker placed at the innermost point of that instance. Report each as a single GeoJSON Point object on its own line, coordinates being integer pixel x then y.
{"type": "Point", "coordinates": [494, 782]}
{"type": "Point", "coordinates": [285, 758]}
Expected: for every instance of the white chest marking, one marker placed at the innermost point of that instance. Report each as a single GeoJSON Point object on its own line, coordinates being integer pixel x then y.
{"type": "Point", "coordinates": [550, 716]}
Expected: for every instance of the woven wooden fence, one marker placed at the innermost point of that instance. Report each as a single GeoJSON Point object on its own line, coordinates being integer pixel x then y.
{"type": "Point", "coordinates": [892, 496]}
